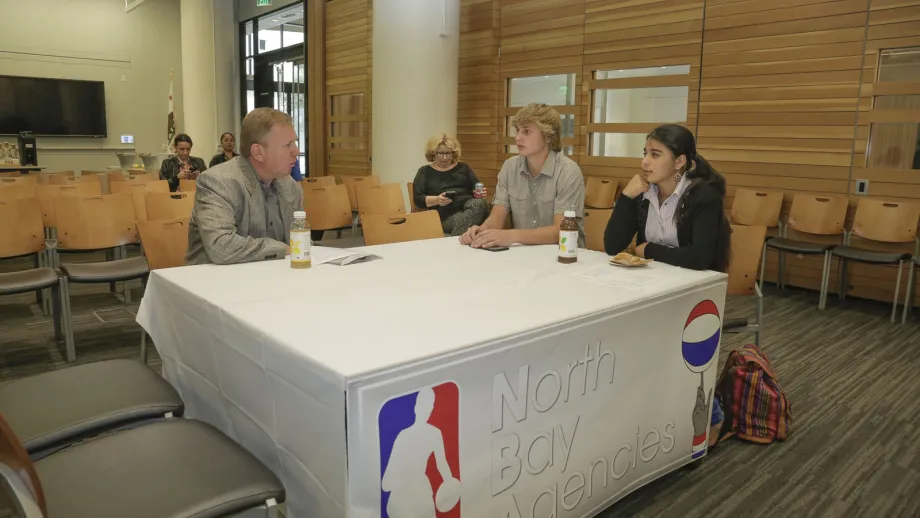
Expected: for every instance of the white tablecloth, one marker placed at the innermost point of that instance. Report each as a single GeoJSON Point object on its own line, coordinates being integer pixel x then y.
{"type": "Point", "coordinates": [270, 354]}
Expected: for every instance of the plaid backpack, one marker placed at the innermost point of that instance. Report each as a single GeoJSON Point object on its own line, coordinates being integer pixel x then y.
{"type": "Point", "coordinates": [756, 409]}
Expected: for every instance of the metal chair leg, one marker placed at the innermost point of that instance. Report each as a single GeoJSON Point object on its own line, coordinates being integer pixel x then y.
{"type": "Point", "coordinates": [897, 287]}
{"type": "Point", "coordinates": [842, 280]}
{"type": "Point", "coordinates": [763, 264]}
{"type": "Point", "coordinates": [271, 508]}
{"type": "Point", "coordinates": [56, 311]}
{"type": "Point", "coordinates": [70, 350]}
{"type": "Point", "coordinates": [908, 297]}
{"type": "Point", "coordinates": [781, 280]}
{"type": "Point", "coordinates": [144, 346]}
{"type": "Point", "coordinates": [126, 288]}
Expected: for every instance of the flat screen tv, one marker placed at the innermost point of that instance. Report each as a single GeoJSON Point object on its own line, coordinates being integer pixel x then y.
{"type": "Point", "coordinates": [52, 107]}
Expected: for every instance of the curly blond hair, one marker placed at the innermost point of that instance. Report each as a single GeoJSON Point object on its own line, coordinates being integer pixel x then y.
{"type": "Point", "coordinates": [544, 117]}
{"type": "Point", "coordinates": [431, 149]}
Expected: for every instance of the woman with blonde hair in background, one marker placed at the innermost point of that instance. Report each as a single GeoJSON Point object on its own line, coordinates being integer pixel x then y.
{"type": "Point", "coordinates": [446, 185]}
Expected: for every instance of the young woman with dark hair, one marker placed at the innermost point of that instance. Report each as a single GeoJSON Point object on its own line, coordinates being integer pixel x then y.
{"type": "Point", "coordinates": [675, 208]}
{"type": "Point", "coordinates": [227, 149]}
{"type": "Point", "coordinates": [182, 165]}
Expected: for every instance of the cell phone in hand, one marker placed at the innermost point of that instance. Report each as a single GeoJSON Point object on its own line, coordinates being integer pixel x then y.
{"type": "Point", "coordinates": [496, 248]}
{"type": "Point", "coordinates": [450, 194]}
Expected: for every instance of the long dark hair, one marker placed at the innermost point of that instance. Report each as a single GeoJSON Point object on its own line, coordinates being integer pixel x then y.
{"type": "Point", "coordinates": [680, 141]}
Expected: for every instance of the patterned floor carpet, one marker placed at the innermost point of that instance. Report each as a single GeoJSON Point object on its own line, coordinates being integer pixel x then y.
{"type": "Point", "coordinates": [852, 377]}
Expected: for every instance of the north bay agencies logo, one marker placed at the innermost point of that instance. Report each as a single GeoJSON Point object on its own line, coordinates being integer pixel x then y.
{"type": "Point", "coordinates": [420, 454]}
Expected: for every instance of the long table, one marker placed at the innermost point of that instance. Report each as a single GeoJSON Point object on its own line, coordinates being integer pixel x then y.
{"type": "Point", "coordinates": [442, 379]}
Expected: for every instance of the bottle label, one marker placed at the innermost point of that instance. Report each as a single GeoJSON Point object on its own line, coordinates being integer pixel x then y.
{"type": "Point", "coordinates": [568, 243]}
{"type": "Point", "coordinates": [300, 246]}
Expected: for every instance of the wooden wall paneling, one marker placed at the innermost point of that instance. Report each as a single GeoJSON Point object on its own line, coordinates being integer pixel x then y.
{"type": "Point", "coordinates": [479, 89]}
{"type": "Point", "coordinates": [348, 78]}
{"type": "Point", "coordinates": [887, 98]}
{"type": "Point", "coordinates": [316, 86]}
{"type": "Point", "coordinates": [779, 98]}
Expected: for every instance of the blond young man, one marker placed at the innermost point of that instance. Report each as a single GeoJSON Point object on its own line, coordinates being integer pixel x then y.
{"type": "Point", "coordinates": [535, 188]}
{"type": "Point", "coordinates": [244, 206]}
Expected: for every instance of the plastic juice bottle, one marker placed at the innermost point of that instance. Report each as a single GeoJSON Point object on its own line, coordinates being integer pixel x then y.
{"type": "Point", "coordinates": [568, 238]}
{"type": "Point", "coordinates": [301, 243]}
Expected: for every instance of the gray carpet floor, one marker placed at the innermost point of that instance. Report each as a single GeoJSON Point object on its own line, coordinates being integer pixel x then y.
{"type": "Point", "coordinates": [853, 379]}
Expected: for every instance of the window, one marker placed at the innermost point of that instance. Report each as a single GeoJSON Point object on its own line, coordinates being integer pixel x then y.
{"type": "Point", "coordinates": [281, 29]}
{"type": "Point", "coordinates": [635, 98]}
{"type": "Point", "coordinates": [555, 90]}
{"type": "Point", "coordinates": [249, 63]}
{"type": "Point", "coordinates": [899, 65]}
{"type": "Point", "coordinates": [894, 130]}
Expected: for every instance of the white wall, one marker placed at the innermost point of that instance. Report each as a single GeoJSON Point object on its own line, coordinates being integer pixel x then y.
{"type": "Point", "coordinates": [96, 40]}
{"type": "Point", "coordinates": [247, 9]}
{"type": "Point", "coordinates": [414, 82]}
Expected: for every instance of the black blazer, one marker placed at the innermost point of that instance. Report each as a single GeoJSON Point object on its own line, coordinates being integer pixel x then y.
{"type": "Point", "coordinates": [702, 230]}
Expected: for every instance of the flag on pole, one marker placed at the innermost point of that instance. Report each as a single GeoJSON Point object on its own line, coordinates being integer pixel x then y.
{"type": "Point", "coordinates": [170, 118]}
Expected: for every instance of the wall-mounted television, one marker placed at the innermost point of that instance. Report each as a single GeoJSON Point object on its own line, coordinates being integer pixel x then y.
{"type": "Point", "coordinates": [52, 107]}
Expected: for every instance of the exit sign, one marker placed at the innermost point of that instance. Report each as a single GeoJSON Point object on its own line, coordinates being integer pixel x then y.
{"type": "Point", "coordinates": [263, 3]}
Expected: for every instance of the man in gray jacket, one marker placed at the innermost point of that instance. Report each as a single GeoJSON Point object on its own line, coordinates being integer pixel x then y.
{"type": "Point", "coordinates": [244, 207]}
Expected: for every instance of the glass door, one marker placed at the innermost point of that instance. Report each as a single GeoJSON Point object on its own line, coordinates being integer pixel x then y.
{"type": "Point", "coordinates": [280, 83]}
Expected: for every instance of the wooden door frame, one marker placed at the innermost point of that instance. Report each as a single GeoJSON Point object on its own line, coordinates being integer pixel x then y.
{"type": "Point", "coordinates": [315, 14]}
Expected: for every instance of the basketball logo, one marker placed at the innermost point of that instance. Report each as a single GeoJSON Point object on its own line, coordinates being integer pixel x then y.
{"type": "Point", "coordinates": [700, 340]}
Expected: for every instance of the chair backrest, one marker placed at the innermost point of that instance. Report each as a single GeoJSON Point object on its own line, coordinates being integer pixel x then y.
{"type": "Point", "coordinates": [600, 193]}
{"type": "Point", "coordinates": [95, 222]}
{"type": "Point", "coordinates": [142, 178]}
{"type": "Point", "coordinates": [350, 182]}
{"type": "Point", "coordinates": [44, 177]}
{"type": "Point", "coordinates": [380, 199]}
{"type": "Point", "coordinates": [139, 191]}
{"type": "Point", "coordinates": [137, 171]}
{"type": "Point", "coordinates": [167, 205]}
{"type": "Point", "coordinates": [410, 188]}
{"type": "Point", "coordinates": [317, 181]}
{"type": "Point", "coordinates": [14, 456]}
{"type": "Point", "coordinates": [818, 213]}
{"type": "Point", "coordinates": [62, 179]}
{"type": "Point", "coordinates": [14, 191]}
{"type": "Point", "coordinates": [47, 193]}
{"type": "Point", "coordinates": [886, 221]}
{"type": "Point", "coordinates": [27, 235]}
{"type": "Point", "coordinates": [10, 174]}
{"type": "Point", "coordinates": [327, 207]}
{"type": "Point", "coordinates": [757, 207]}
{"type": "Point", "coordinates": [595, 223]}
{"type": "Point", "coordinates": [115, 176]}
{"type": "Point", "coordinates": [165, 242]}
{"type": "Point", "coordinates": [744, 263]}
{"type": "Point", "coordinates": [186, 185]}
{"type": "Point", "coordinates": [380, 229]}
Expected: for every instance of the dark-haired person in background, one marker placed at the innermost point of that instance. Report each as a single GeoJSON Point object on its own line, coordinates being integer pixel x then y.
{"type": "Point", "coordinates": [674, 208]}
{"type": "Point", "coordinates": [227, 147]}
{"type": "Point", "coordinates": [182, 165]}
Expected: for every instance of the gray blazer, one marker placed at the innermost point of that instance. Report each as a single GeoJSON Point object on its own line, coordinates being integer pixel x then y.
{"type": "Point", "coordinates": [228, 220]}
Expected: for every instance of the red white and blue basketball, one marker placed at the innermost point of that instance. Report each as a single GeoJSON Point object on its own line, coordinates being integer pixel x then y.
{"type": "Point", "coordinates": [702, 331]}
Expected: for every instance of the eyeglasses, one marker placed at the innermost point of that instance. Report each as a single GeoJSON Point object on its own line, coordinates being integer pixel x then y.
{"type": "Point", "coordinates": [445, 153]}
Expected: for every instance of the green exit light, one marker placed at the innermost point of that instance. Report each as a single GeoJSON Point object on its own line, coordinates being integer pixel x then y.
{"type": "Point", "coordinates": [263, 3]}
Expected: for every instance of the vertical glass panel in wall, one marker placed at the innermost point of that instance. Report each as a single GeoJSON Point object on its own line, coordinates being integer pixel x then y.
{"type": "Point", "coordinates": [899, 65]}
{"type": "Point", "coordinates": [656, 104]}
{"type": "Point", "coordinates": [895, 145]}
{"type": "Point", "coordinates": [555, 90]}
{"type": "Point", "coordinates": [250, 86]}
{"type": "Point", "coordinates": [346, 129]}
{"type": "Point", "coordinates": [248, 40]}
{"type": "Point", "coordinates": [292, 33]}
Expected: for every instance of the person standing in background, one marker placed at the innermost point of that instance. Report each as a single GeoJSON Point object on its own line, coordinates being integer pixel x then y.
{"type": "Point", "coordinates": [227, 150]}
{"type": "Point", "coordinates": [181, 166]}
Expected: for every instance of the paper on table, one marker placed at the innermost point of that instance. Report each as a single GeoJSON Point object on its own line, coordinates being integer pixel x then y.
{"type": "Point", "coordinates": [635, 279]}
{"type": "Point", "coordinates": [339, 256]}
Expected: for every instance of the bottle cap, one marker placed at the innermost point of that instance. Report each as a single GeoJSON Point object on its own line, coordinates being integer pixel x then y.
{"type": "Point", "coordinates": [300, 214]}
{"type": "Point", "coordinates": [569, 214]}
